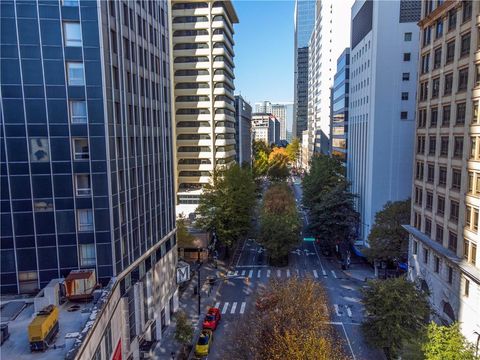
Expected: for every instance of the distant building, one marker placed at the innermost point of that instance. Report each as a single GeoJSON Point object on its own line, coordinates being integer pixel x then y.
{"type": "Point", "coordinates": [266, 128]}
{"type": "Point", "coordinates": [339, 107]}
{"type": "Point", "coordinates": [304, 20]}
{"type": "Point", "coordinates": [243, 130]}
{"type": "Point", "coordinates": [381, 112]}
{"type": "Point", "coordinates": [263, 107]}
{"type": "Point", "coordinates": [283, 111]}
{"type": "Point", "coordinates": [304, 154]}
{"type": "Point", "coordinates": [443, 255]}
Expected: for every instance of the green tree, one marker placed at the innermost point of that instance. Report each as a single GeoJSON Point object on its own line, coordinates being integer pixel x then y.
{"type": "Point", "coordinates": [293, 149]}
{"type": "Point", "coordinates": [325, 174]}
{"type": "Point", "coordinates": [388, 239]}
{"type": "Point", "coordinates": [279, 222]}
{"type": "Point", "coordinates": [184, 238]}
{"type": "Point", "coordinates": [183, 329]}
{"type": "Point", "coordinates": [227, 204]}
{"type": "Point", "coordinates": [447, 343]}
{"type": "Point", "coordinates": [396, 313]}
{"type": "Point", "coordinates": [333, 217]}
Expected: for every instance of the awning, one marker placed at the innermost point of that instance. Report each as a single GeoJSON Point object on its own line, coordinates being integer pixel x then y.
{"type": "Point", "coordinates": [358, 251]}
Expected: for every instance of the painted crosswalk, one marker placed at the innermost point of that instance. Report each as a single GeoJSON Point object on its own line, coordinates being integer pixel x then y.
{"type": "Point", "coordinates": [342, 309]}
{"type": "Point", "coordinates": [257, 273]}
{"type": "Point", "coordinates": [231, 308]}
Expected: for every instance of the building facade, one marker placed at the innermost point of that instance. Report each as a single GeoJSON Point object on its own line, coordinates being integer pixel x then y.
{"type": "Point", "coordinates": [243, 130]}
{"type": "Point", "coordinates": [204, 131]}
{"type": "Point", "coordinates": [328, 40]}
{"type": "Point", "coordinates": [304, 19]}
{"type": "Point", "coordinates": [86, 152]}
{"type": "Point", "coordinates": [339, 107]}
{"type": "Point", "coordinates": [266, 128]}
{"type": "Point", "coordinates": [381, 116]}
{"type": "Point", "coordinates": [444, 237]}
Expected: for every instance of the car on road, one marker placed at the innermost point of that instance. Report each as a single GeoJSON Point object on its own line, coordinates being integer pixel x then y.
{"type": "Point", "coordinates": [204, 342]}
{"type": "Point", "coordinates": [212, 318]}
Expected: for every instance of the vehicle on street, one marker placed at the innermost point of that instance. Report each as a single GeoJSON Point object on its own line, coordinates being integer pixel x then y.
{"type": "Point", "coordinates": [204, 342]}
{"type": "Point", "coordinates": [212, 318]}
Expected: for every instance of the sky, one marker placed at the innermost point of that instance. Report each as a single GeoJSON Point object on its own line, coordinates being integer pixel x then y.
{"type": "Point", "coordinates": [264, 50]}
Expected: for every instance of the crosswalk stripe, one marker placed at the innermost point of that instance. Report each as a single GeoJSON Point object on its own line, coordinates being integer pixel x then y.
{"type": "Point", "coordinates": [250, 274]}
{"type": "Point", "coordinates": [288, 273]}
{"type": "Point", "coordinates": [236, 273]}
{"type": "Point", "coordinates": [259, 273]}
{"type": "Point", "coordinates": [279, 273]}
{"type": "Point", "coordinates": [230, 273]}
{"type": "Point", "coordinates": [217, 305]}
{"type": "Point", "coordinates": [349, 312]}
{"type": "Point", "coordinates": [268, 273]}
{"type": "Point", "coordinates": [315, 274]}
{"type": "Point", "coordinates": [324, 273]}
{"type": "Point", "coordinates": [334, 275]}
{"type": "Point", "coordinates": [336, 309]}
{"type": "Point", "coordinates": [244, 272]}
{"type": "Point", "coordinates": [234, 306]}
{"type": "Point", "coordinates": [225, 307]}
{"type": "Point", "coordinates": [242, 307]}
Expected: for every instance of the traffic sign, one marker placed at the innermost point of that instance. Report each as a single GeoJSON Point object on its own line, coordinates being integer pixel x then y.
{"type": "Point", "coordinates": [310, 239]}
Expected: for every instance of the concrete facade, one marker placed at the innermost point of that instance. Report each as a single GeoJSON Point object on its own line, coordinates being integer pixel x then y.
{"type": "Point", "coordinates": [243, 130]}
{"type": "Point", "coordinates": [266, 128]}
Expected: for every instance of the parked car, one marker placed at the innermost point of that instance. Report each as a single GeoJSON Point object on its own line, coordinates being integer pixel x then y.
{"type": "Point", "coordinates": [202, 348]}
{"type": "Point", "coordinates": [212, 318]}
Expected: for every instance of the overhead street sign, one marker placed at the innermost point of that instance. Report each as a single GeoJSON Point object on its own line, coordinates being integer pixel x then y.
{"type": "Point", "coordinates": [309, 239]}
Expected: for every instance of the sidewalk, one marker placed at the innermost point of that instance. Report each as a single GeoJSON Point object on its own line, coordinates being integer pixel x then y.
{"type": "Point", "coordinates": [188, 302]}
{"type": "Point", "coordinates": [360, 272]}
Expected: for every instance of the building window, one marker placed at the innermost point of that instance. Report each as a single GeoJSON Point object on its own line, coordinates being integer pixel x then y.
{"type": "Point", "coordinates": [452, 241]}
{"type": "Point", "coordinates": [420, 144]}
{"type": "Point", "coordinates": [427, 36]}
{"type": "Point", "coordinates": [425, 256]}
{"type": "Point", "coordinates": [458, 146]}
{"type": "Point", "coordinates": [456, 179]}
{"type": "Point", "coordinates": [477, 72]}
{"type": "Point", "coordinates": [433, 117]}
{"type": "Point", "coordinates": [465, 45]}
{"type": "Point", "coordinates": [470, 182]}
{"type": "Point", "coordinates": [475, 113]}
{"type": "Point", "coordinates": [439, 29]}
{"type": "Point", "coordinates": [475, 219]}
{"type": "Point", "coordinates": [425, 63]}
{"type": "Point", "coordinates": [448, 86]}
{"type": "Point", "coordinates": [449, 274]}
{"type": "Point", "coordinates": [407, 36]}
{"type": "Point", "coordinates": [450, 55]}
{"type": "Point", "coordinates": [415, 247]}
{"type": "Point", "coordinates": [468, 216]}
{"type": "Point", "coordinates": [430, 173]}
{"type": "Point", "coordinates": [446, 115]}
{"type": "Point", "coordinates": [462, 79]}
{"type": "Point", "coordinates": [75, 73]}
{"type": "Point", "coordinates": [404, 95]}
{"type": "Point", "coordinates": [39, 150]}
{"type": "Point", "coordinates": [80, 149]}
{"type": "Point", "coordinates": [404, 115]}
{"type": "Point", "coordinates": [436, 267]}
{"type": "Point", "coordinates": [428, 227]}
{"type": "Point", "coordinates": [418, 196]}
{"type": "Point", "coordinates": [419, 172]}
{"type": "Point", "coordinates": [454, 207]}
{"type": "Point", "coordinates": [405, 76]}
{"type": "Point", "coordinates": [435, 87]}
{"type": "Point", "coordinates": [466, 10]}
{"type": "Point", "coordinates": [440, 206]}
{"type": "Point", "coordinates": [473, 254]}
{"type": "Point", "coordinates": [461, 111]}
{"type": "Point", "coordinates": [78, 112]}
{"type": "Point", "coordinates": [70, 2]}
{"type": "Point", "coordinates": [452, 19]}
{"type": "Point", "coordinates": [466, 287]}
{"type": "Point", "coordinates": [442, 176]}
{"type": "Point", "coordinates": [429, 204]}
{"type": "Point", "coordinates": [437, 58]}
{"type": "Point", "coordinates": [87, 255]}
{"type": "Point", "coordinates": [473, 148]}
{"type": "Point", "coordinates": [439, 234]}
{"type": "Point", "coordinates": [82, 185]}
{"type": "Point", "coordinates": [85, 220]}
{"type": "Point", "coordinates": [72, 33]}
{"type": "Point", "coordinates": [406, 56]}
{"type": "Point", "coordinates": [422, 118]}
{"type": "Point", "coordinates": [432, 145]}
{"type": "Point", "coordinates": [444, 146]}
{"type": "Point", "coordinates": [424, 91]}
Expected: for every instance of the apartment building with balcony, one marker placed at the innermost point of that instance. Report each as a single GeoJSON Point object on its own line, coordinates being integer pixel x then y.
{"type": "Point", "coordinates": [203, 94]}
{"type": "Point", "coordinates": [444, 238]}
{"type": "Point", "coordinates": [86, 157]}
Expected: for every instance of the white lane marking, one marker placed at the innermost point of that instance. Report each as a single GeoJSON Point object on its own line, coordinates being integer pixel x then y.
{"type": "Point", "coordinates": [333, 273]}
{"type": "Point", "coordinates": [244, 272]}
{"type": "Point", "coordinates": [236, 273]}
{"type": "Point", "coordinates": [259, 272]}
{"type": "Point", "coordinates": [335, 306]}
{"type": "Point", "coordinates": [251, 266]}
{"type": "Point", "coordinates": [288, 273]}
{"type": "Point", "coordinates": [230, 273]}
{"type": "Point", "coordinates": [315, 274]}
{"type": "Point", "coordinates": [279, 273]}
{"type": "Point", "coordinates": [298, 273]}
{"type": "Point", "coordinates": [349, 312]}
{"type": "Point", "coordinates": [268, 273]}
{"type": "Point", "coordinates": [319, 261]}
{"type": "Point", "coordinates": [217, 305]}
{"type": "Point", "coordinates": [324, 272]}
{"type": "Point", "coordinates": [225, 307]}
{"type": "Point", "coordinates": [348, 341]}
{"type": "Point", "coordinates": [242, 307]}
{"type": "Point", "coordinates": [234, 306]}
{"type": "Point", "coordinates": [250, 274]}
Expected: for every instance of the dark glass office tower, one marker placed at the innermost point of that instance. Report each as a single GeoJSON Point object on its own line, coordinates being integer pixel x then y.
{"type": "Point", "coordinates": [86, 150]}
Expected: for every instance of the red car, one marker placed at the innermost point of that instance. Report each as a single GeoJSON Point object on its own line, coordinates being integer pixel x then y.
{"type": "Point", "coordinates": [212, 318]}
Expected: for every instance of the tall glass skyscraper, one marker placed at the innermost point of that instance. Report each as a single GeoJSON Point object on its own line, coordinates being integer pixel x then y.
{"type": "Point", "coordinates": [304, 21]}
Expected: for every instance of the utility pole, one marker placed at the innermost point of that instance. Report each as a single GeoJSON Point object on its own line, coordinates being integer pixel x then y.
{"type": "Point", "coordinates": [198, 280]}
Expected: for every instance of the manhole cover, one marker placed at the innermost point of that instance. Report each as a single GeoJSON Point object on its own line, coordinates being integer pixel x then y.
{"type": "Point", "coordinates": [73, 308]}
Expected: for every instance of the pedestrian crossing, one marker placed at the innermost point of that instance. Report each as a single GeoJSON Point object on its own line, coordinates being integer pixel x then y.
{"type": "Point", "coordinates": [238, 308]}
{"type": "Point", "coordinates": [253, 274]}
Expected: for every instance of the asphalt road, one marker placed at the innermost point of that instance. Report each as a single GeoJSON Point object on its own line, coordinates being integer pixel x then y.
{"type": "Point", "coordinates": [251, 273]}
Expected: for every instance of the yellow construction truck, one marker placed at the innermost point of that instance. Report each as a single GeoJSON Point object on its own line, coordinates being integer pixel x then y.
{"type": "Point", "coordinates": [43, 328]}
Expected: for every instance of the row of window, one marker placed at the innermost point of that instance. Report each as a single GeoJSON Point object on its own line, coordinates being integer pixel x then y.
{"type": "Point", "coordinates": [436, 263]}
{"type": "Point", "coordinates": [456, 177]}
{"type": "Point", "coordinates": [452, 240]}
{"type": "Point", "coordinates": [444, 145]}
{"type": "Point", "coordinates": [453, 212]}
{"type": "Point", "coordinates": [462, 84]}
{"type": "Point", "coordinates": [144, 57]}
{"type": "Point", "coordinates": [460, 115]}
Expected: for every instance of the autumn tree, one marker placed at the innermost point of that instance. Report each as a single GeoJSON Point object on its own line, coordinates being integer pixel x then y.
{"type": "Point", "coordinates": [388, 239]}
{"type": "Point", "coordinates": [279, 222]}
{"type": "Point", "coordinates": [293, 150]}
{"type": "Point", "coordinates": [227, 204]}
{"type": "Point", "coordinates": [289, 322]}
{"type": "Point", "coordinates": [397, 311]}
{"type": "Point", "coordinates": [277, 164]}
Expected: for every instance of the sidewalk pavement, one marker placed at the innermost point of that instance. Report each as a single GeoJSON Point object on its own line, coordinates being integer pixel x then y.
{"type": "Point", "coordinates": [188, 302]}
{"type": "Point", "coordinates": [360, 272]}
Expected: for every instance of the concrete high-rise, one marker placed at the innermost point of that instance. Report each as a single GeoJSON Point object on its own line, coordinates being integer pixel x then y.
{"type": "Point", "coordinates": [444, 238]}
{"type": "Point", "coordinates": [381, 117]}
{"type": "Point", "coordinates": [86, 155]}
{"type": "Point", "coordinates": [243, 130]}
{"type": "Point", "coordinates": [266, 128]}
{"type": "Point", "coordinates": [330, 37]}
{"type": "Point", "coordinates": [204, 130]}
{"type": "Point", "coordinates": [304, 19]}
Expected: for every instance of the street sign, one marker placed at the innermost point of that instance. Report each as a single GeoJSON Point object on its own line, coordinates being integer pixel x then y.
{"type": "Point", "coordinates": [309, 239]}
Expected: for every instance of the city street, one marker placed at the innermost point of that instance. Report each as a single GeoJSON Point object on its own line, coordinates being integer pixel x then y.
{"type": "Point", "coordinates": [235, 296]}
